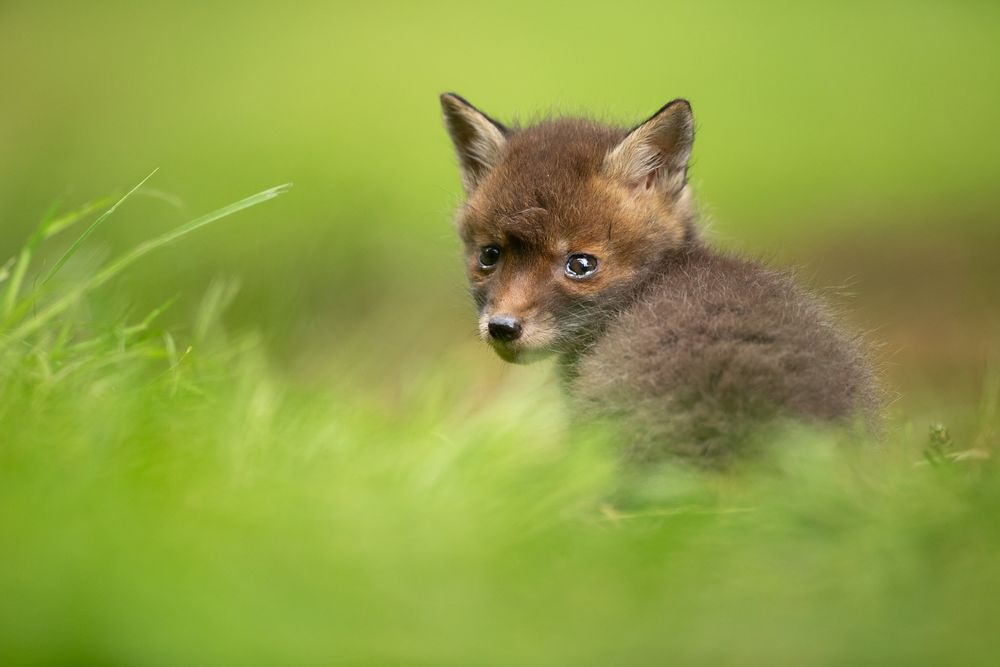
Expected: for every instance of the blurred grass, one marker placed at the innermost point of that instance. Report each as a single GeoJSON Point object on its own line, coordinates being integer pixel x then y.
{"type": "Point", "coordinates": [160, 507]}
{"type": "Point", "coordinates": [355, 480]}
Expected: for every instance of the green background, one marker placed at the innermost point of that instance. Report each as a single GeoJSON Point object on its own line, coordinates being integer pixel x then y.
{"type": "Point", "coordinates": [326, 466]}
{"type": "Point", "coordinates": [856, 140]}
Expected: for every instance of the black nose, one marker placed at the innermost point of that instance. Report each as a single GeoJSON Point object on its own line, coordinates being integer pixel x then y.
{"type": "Point", "coordinates": [505, 328]}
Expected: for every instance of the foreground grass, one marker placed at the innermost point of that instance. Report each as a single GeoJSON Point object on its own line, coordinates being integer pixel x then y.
{"type": "Point", "coordinates": [166, 502]}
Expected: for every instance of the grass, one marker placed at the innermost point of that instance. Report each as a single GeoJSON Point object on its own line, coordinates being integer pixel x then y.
{"type": "Point", "coordinates": [173, 500]}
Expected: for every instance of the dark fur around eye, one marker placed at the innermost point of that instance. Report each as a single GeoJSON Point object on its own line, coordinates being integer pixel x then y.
{"type": "Point", "coordinates": [489, 256]}
{"type": "Point", "coordinates": [581, 266]}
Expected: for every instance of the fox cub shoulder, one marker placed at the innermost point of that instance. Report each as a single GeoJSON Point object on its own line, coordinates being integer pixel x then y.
{"type": "Point", "coordinates": [580, 242]}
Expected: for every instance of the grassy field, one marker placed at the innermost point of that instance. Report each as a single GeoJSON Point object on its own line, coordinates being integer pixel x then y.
{"type": "Point", "coordinates": [267, 435]}
{"type": "Point", "coordinates": [165, 503]}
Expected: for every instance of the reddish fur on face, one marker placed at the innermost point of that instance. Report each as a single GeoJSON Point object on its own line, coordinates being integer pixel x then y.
{"type": "Point", "coordinates": [547, 199]}
{"type": "Point", "coordinates": [688, 348]}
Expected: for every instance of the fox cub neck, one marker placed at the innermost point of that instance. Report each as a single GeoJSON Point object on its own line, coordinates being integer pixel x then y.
{"type": "Point", "coordinates": [564, 221]}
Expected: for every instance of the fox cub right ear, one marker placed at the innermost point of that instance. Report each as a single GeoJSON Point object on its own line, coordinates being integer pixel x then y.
{"type": "Point", "coordinates": [479, 140]}
{"type": "Point", "coordinates": [655, 154]}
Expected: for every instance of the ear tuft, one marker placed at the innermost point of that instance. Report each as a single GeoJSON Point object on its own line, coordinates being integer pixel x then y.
{"type": "Point", "coordinates": [479, 140]}
{"type": "Point", "coordinates": [655, 154]}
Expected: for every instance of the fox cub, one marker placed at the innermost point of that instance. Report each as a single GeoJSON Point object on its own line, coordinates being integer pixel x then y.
{"type": "Point", "coordinates": [580, 241]}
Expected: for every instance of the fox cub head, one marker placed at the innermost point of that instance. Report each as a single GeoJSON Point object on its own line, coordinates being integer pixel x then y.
{"type": "Point", "coordinates": [564, 220]}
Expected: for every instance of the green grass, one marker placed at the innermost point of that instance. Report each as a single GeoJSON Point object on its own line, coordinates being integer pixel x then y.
{"type": "Point", "coordinates": [175, 501]}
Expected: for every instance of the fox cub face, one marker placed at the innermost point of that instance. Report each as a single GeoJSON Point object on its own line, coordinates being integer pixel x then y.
{"type": "Point", "coordinates": [565, 220]}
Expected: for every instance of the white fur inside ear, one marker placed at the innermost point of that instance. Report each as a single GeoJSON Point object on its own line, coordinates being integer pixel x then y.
{"type": "Point", "coordinates": [655, 154]}
{"type": "Point", "coordinates": [486, 144]}
{"type": "Point", "coordinates": [478, 141]}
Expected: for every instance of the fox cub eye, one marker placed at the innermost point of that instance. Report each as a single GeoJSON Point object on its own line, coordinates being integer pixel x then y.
{"type": "Point", "coordinates": [489, 256]}
{"type": "Point", "coordinates": [580, 266]}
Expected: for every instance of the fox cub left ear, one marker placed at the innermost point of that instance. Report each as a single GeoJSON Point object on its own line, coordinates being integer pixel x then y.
{"type": "Point", "coordinates": [479, 140]}
{"type": "Point", "coordinates": [655, 154]}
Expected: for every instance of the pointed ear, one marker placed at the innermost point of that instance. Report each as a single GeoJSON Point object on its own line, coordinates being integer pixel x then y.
{"type": "Point", "coordinates": [479, 140]}
{"type": "Point", "coordinates": [655, 154]}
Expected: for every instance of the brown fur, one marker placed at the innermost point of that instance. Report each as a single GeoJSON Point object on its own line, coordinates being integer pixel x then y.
{"type": "Point", "coordinates": [689, 351]}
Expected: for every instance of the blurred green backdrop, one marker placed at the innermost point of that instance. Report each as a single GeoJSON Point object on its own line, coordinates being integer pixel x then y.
{"type": "Point", "coordinates": [855, 139]}
{"type": "Point", "coordinates": [164, 508]}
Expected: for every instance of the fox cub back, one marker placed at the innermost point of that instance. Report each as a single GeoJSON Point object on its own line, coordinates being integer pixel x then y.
{"type": "Point", "coordinates": [580, 242]}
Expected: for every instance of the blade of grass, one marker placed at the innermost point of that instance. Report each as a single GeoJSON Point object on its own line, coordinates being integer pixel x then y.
{"type": "Point", "coordinates": [169, 237]}
{"type": "Point", "coordinates": [46, 229]}
{"type": "Point", "coordinates": [90, 230]}
{"type": "Point", "coordinates": [62, 222]}
{"type": "Point", "coordinates": [124, 333]}
{"type": "Point", "coordinates": [24, 258]}
{"type": "Point", "coordinates": [5, 269]}
{"type": "Point", "coordinates": [117, 266]}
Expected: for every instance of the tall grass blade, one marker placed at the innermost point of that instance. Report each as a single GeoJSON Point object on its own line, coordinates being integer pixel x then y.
{"type": "Point", "coordinates": [117, 266]}
{"type": "Point", "coordinates": [69, 219]}
{"type": "Point", "coordinates": [10, 310]}
{"type": "Point", "coordinates": [5, 269]}
{"type": "Point", "coordinates": [24, 258]}
{"type": "Point", "coordinates": [90, 230]}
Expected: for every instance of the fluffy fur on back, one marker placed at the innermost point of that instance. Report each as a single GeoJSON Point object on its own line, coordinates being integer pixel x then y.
{"type": "Point", "coordinates": [712, 353]}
